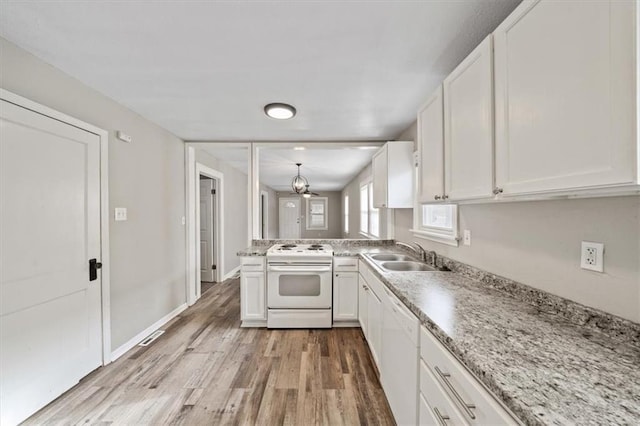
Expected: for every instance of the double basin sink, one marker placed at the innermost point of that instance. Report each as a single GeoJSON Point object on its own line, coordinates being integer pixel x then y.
{"type": "Point", "coordinates": [396, 262]}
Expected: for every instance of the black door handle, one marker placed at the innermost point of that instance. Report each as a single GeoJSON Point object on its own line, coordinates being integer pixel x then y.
{"type": "Point", "coordinates": [94, 265]}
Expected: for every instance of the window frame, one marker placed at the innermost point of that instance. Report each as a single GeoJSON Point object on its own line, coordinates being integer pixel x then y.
{"type": "Point", "coordinates": [345, 214]}
{"type": "Point", "coordinates": [367, 185]}
{"type": "Point", "coordinates": [325, 214]}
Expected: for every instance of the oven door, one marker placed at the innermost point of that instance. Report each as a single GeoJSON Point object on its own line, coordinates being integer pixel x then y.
{"type": "Point", "coordinates": [299, 287]}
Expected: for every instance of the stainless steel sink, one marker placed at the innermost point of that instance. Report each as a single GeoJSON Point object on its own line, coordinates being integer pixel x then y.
{"type": "Point", "coordinates": [391, 257]}
{"type": "Point", "coordinates": [406, 266]}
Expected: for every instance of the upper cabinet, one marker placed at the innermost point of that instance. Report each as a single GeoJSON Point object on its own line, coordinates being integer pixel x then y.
{"type": "Point", "coordinates": [565, 98]}
{"type": "Point", "coordinates": [468, 126]}
{"type": "Point", "coordinates": [431, 149]}
{"type": "Point", "coordinates": [393, 176]}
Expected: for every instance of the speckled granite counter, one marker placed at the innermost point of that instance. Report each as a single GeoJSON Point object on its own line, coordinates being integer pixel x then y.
{"type": "Point", "coordinates": [253, 251]}
{"type": "Point", "coordinates": [545, 369]}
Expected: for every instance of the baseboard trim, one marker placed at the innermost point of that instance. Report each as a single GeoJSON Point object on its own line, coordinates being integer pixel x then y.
{"type": "Point", "coordinates": [346, 324]}
{"type": "Point", "coordinates": [146, 332]}
{"type": "Point", "coordinates": [254, 324]}
{"type": "Point", "coordinates": [231, 273]}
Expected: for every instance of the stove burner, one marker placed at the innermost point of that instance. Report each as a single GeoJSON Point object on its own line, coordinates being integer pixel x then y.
{"type": "Point", "coordinates": [316, 245]}
{"type": "Point", "coordinates": [285, 248]}
{"type": "Point", "coordinates": [315, 248]}
{"type": "Point", "coordinates": [289, 245]}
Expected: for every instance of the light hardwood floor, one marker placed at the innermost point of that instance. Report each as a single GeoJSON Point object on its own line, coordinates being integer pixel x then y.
{"type": "Point", "coordinates": [207, 370]}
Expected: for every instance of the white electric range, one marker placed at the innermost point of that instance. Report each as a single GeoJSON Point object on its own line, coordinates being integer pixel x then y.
{"type": "Point", "coordinates": [299, 286]}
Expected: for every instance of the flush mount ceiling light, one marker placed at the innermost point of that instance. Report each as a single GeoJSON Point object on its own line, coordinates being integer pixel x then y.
{"type": "Point", "coordinates": [280, 111]}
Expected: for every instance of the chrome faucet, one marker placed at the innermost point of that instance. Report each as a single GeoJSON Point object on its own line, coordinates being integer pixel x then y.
{"type": "Point", "coordinates": [421, 251]}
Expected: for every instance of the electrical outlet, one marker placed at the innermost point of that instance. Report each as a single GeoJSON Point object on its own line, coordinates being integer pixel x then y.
{"type": "Point", "coordinates": [466, 239]}
{"type": "Point", "coordinates": [592, 256]}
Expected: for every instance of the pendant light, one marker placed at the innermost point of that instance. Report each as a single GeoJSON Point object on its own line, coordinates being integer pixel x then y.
{"type": "Point", "coordinates": [299, 183]}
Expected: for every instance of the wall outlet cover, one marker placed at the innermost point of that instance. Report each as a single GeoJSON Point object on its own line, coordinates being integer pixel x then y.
{"type": "Point", "coordinates": [466, 238]}
{"type": "Point", "coordinates": [592, 256]}
{"type": "Point", "coordinates": [120, 214]}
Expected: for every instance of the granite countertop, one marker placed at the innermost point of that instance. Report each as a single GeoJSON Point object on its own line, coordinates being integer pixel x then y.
{"type": "Point", "coordinates": [544, 368]}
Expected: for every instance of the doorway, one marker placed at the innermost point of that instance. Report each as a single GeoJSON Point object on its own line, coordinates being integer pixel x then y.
{"type": "Point", "coordinates": [208, 267]}
{"type": "Point", "coordinates": [289, 218]}
{"type": "Point", "coordinates": [53, 290]}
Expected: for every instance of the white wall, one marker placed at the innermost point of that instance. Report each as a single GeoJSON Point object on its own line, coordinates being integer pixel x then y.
{"type": "Point", "coordinates": [236, 208]}
{"type": "Point", "coordinates": [146, 176]}
{"type": "Point", "coordinates": [538, 243]}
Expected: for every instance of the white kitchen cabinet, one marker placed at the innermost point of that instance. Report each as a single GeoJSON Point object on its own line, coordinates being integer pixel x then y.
{"type": "Point", "coordinates": [399, 359]}
{"type": "Point", "coordinates": [448, 387]}
{"type": "Point", "coordinates": [363, 317]}
{"type": "Point", "coordinates": [253, 291]}
{"type": "Point", "coordinates": [565, 96]}
{"type": "Point", "coordinates": [431, 149]}
{"type": "Point", "coordinates": [345, 296]}
{"type": "Point", "coordinates": [345, 291]}
{"type": "Point", "coordinates": [468, 126]}
{"type": "Point", "coordinates": [392, 170]}
{"type": "Point", "coordinates": [374, 325]}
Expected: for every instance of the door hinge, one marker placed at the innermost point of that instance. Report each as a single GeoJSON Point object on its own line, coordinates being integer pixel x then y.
{"type": "Point", "coordinates": [213, 267]}
{"type": "Point", "coordinates": [213, 192]}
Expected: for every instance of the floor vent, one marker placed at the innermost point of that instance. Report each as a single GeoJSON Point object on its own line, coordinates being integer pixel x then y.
{"type": "Point", "coordinates": [151, 338]}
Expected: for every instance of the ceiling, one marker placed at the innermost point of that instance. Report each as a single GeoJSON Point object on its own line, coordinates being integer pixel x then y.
{"type": "Point", "coordinates": [355, 70]}
{"type": "Point", "coordinates": [327, 167]}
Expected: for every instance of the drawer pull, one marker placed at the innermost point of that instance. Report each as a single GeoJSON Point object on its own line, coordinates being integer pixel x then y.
{"type": "Point", "coordinates": [465, 406]}
{"type": "Point", "coordinates": [442, 418]}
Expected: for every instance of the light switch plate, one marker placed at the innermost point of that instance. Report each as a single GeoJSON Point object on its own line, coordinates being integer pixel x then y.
{"type": "Point", "coordinates": [466, 239]}
{"type": "Point", "coordinates": [592, 256]}
{"type": "Point", "coordinates": [120, 213]}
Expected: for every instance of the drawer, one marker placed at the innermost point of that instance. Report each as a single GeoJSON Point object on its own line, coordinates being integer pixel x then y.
{"type": "Point", "coordinates": [408, 320]}
{"type": "Point", "coordinates": [252, 263]}
{"type": "Point", "coordinates": [345, 264]}
{"type": "Point", "coordinates": [436, 408]}
{"type": "Point", "coordinates": [474, 401]}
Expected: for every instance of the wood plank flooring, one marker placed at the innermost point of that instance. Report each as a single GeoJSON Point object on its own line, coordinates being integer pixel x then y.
{"type": "Point", "coordinates": [206, 370]}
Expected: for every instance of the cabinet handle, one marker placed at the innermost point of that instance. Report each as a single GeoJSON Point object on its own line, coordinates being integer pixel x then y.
{"type": "Point", "coordinates": [442, 418]}
{"type": "Point", "coordinates": [337, 275]}
{"type": "Point", "coordinates": [365, 288]}
{"type": "Point", "coordinates": [465, 406]}
{"type": "Point", "coordinates": [497, 191]}
{"type": "Point", "coordinates": [445, 197]}
{"type": "Point", "coordinates": [436, 197]}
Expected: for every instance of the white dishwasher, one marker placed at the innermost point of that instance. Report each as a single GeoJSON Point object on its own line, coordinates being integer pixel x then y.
{"type": "Point", "coordinates": [399, 359]}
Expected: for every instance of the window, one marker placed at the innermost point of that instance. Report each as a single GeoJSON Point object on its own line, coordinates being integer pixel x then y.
{"type": "Point", "coordinates": [436, 222]}
{"type": "Point", "coordinates": [369, 216]}
{"type": "Point", "coordinates": [317, 213]}
{"type": "Point", "coordinates": [346, 214]}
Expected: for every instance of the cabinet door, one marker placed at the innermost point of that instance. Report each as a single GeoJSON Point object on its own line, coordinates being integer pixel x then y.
{"type": "Point", "coordinates": [252, 296]}
{"type": "Point", "coordinates": [362, 305]}
{"type": "Point", "coordinates": [345, 296]}
{"type": "Point", "coordinates": [431, 149]}
{"type": "Point", "coordinates": [565, 96]}
{"type": "Point", "coordinates": [380, 172]}
{"type": "Point", "coordinates": [468, 126]}
{"type": "Point", "coordinates": [374, 314]}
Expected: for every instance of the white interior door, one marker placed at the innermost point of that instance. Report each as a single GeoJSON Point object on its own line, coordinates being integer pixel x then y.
{"type": "Point", "coordinates": [207, 188]}
{"type": "Point", "coordinates": [50, 311]}
{"type": "Point", "coordinates": [289, 214]}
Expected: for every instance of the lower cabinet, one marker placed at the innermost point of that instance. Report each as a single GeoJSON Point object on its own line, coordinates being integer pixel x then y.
{"type": "Point", "coordinates": [370, 316]}
{"type": "Point", "coordinates": [345, 291]}
{"type": "Point", "coordinates": [399, 359]}
{"type": "Point", "coordinates": [451, 392]}
{"type": "Point", "coordinates": [253, 292]}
